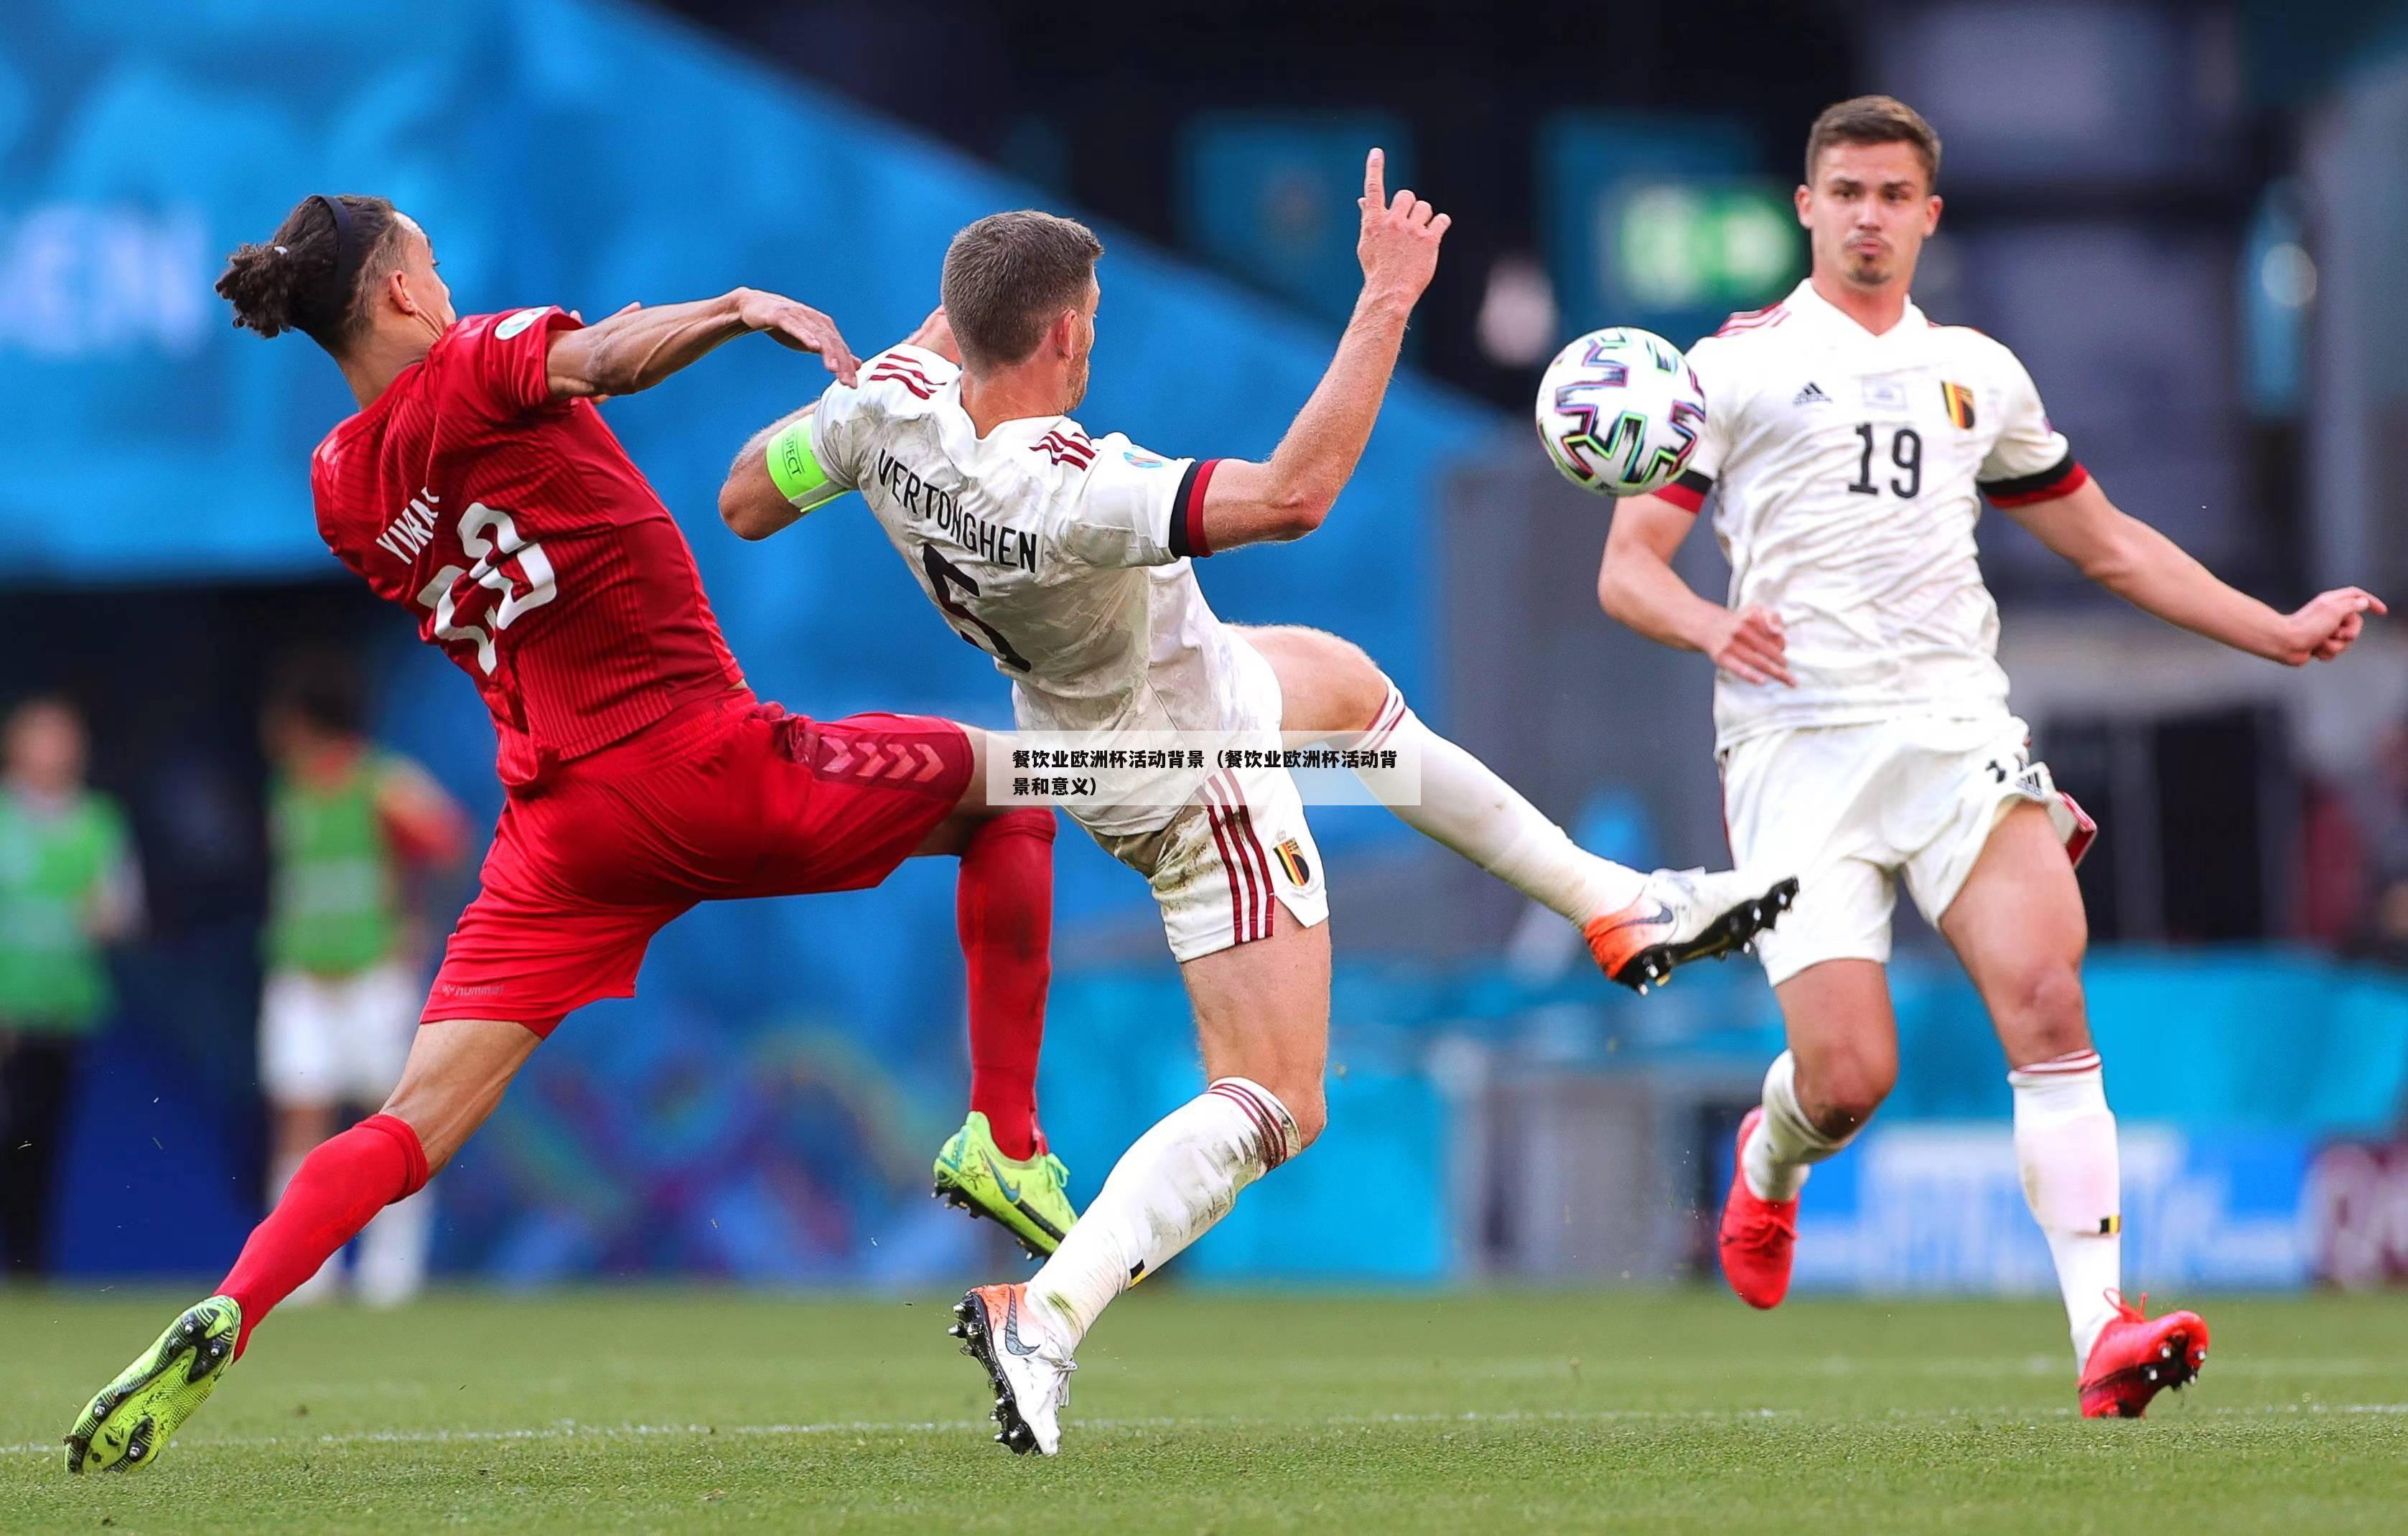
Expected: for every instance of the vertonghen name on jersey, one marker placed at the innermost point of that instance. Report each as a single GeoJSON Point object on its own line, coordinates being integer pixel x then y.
{"type": "Point", "coordinates": [942, 513]}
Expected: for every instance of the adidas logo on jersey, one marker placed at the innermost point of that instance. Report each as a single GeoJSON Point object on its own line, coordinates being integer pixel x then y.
{"type": "Point", "coordinates": [1810, 395]}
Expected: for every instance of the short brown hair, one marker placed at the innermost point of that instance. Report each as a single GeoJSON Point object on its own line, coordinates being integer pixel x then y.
{"type": "Point", "coordinates": [1008, 274]}
{"type": "Point", "coordinates": [1875, 120]}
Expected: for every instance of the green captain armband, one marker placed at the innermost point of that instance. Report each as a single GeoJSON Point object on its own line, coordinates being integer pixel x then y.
{"type": "Point", "coordinates": [795, 468]}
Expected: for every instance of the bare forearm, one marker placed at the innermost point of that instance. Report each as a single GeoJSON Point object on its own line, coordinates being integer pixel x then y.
{"type": "Point", "coordinates": [638, 348]}
{"type": "Point", "coordinates": [1641, 591]}
{"type": "Point", "coordinates": [2157, 575]}
{"type": "Point", "coordinates": [749, 502]}
{"type": "Point", "coordinates": [1322, 447]}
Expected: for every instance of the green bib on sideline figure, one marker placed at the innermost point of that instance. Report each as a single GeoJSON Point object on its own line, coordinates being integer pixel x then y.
{"type": "Point", "coordinates": [52, 870]}
{"type": "Point", "coordinates": [334, 905]}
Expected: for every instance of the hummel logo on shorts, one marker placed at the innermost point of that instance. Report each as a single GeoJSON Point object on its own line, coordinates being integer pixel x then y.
{"type": "Point", "coordinates": [1810, 395]}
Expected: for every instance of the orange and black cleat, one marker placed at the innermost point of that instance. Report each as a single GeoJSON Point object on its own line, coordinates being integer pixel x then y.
{"type": "Point", "coordinates": [1759, 1237]}
{"type": "Point", "coordinates": [2136, 1358]}
{"type": "Point", "coordinates": [1682, 915]}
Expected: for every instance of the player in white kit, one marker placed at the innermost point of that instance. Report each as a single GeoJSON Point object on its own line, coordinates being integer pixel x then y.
{"type": "Point", "coordinates": [1069, 557]}
{"type": "Point", "coordinates": [1863, 725]}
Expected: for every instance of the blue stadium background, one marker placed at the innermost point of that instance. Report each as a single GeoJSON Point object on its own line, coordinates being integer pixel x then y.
{"type": "Point", "coordinates": [765, 1109]}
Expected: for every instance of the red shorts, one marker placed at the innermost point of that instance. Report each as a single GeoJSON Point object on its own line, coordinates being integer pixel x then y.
{"type": "Point", "coordinates": [722, 798]}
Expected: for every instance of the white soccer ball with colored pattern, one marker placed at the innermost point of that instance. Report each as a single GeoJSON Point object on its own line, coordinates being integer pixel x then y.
{"type": "Point", "coordinates": [1620, 411]}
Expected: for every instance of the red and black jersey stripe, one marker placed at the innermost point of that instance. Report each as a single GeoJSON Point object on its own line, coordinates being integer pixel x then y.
{"type": "Point", "coordinates": [2061, 478]}
{"type": "Point", "coordinates": [1187, 540]}
{"type": "Point", "coordinates": [1688, 491]}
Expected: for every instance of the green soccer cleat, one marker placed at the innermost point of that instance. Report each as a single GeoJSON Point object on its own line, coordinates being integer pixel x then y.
{"type": "Point", "coordinates": [1031, 1198]}
{"type": "Point", "coordinates": [130, 1421]}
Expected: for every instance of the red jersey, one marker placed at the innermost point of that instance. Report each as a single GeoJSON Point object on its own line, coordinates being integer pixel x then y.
{"type": "Point", "coordinates": [526, 542]}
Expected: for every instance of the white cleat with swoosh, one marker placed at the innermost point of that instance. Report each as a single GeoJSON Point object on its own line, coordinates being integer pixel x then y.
{"type": "Point", "coordinates": [1026, 1361]}
{"type": "Point", "coordinates": [1682, 916]}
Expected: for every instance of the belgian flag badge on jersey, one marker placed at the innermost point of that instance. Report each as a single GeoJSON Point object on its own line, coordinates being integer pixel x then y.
{"type": "Point", "coordinates": [1960, 406]}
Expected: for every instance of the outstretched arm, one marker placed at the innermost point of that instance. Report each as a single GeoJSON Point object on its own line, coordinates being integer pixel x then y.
{"type": "Point", "coordinates": [1287, 497]}
{"type": "Point", "coordinates": [636, 349]}
{"type": "Point", "coordinates": [749, 502]}
{"type": "Point", "coordinates": [2151, 572]}
{"type": "Point", "coordinates": [1636, 585]}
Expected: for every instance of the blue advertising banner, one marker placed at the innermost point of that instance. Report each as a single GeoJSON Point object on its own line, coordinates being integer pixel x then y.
{"type": "Point", "coordinates": [1940, 1207]}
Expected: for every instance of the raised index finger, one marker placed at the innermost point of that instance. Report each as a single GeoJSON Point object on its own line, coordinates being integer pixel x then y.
{"type": "Point", "coordinates": [1375, 188]}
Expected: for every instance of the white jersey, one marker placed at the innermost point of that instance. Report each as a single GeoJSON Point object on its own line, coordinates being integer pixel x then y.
{"type": "Point", "coordinates": [1063, 556]}
{"type": "Point", "coordinates": [1848, 469]}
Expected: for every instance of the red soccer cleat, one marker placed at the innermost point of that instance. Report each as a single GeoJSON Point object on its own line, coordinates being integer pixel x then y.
{"type": "Point", "coordinates": [2136, 1358]}
{"type": "Point", "coordinates": [1759, 1237]}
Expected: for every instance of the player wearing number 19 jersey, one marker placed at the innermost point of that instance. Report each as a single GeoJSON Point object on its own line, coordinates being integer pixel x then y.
{"type": "Point", "coordinates": [479, 488]}
{"type": "Point", "coordinates": [1865, 736]}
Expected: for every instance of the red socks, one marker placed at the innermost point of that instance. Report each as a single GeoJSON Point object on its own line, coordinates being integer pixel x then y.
{"type": "Point", "coordinates": [1005, 910]}
{"type": "Point", "coordinates": [337, 1189]}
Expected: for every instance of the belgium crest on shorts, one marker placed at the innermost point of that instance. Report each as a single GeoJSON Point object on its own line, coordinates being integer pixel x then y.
{"type": "Point", "coordinates": [1291, 864]}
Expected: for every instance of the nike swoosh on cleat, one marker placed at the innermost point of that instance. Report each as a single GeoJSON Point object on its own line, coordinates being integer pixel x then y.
{"type": "Point", "coordinates": [1012, 1328]}
{"type": "Point", "coordinates": [1663, 914]}
{"type": "Point", "coordinates": [1010, 1192]}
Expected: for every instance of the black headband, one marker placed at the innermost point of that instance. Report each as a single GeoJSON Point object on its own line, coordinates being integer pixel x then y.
{"type": "Point", "coordinates": [347, 256]}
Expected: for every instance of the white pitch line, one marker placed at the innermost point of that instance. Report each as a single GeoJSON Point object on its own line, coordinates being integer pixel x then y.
{"type": "Point", "coordinates": [571, 1430]}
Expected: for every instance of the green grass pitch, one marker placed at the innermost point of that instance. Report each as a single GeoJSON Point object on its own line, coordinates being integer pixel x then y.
{"type": "Point", "coordinates": [684, 1409]}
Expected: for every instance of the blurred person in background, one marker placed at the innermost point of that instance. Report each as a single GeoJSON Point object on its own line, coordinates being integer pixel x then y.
{"type": "Point", "coordinates": [68, 888]}
{"type": "Point", "coordinates": [348, 825]}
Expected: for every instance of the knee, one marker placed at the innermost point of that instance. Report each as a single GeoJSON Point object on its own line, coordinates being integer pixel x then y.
{"type": "Point", "coordinates": [2040, 1014]}
{"type": "Point", "coordinates": [1310, 1112]}
{"type": "Point", "coordinates": [1309, 1107]}
{"type": "Point", "coordinates": [1365, 684]}
{"type": "Point", "coordinates": [1841, 1093]}
{"type": "Point", "coordinates": [1349, 683]}
{"type": "Point", "coordinates": [1020, 822]}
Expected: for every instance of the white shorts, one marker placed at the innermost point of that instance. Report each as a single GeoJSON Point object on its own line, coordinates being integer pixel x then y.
{"type": "Point", "coordinates": [1223, 860]}
{"type": "Point", "coordinates": [1850, 808]}
{"type": "Point", "coordinates": [337, 1039]}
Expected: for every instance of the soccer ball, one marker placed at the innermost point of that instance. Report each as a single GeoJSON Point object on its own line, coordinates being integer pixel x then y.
{"type": "Point", "coordinates": [1620, 411]}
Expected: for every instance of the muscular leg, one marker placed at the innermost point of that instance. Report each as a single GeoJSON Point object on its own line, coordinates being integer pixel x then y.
{"type": "Point", "coordinates": [457, 1071]}
{"type": "Point", "coordinates": [2018, 926]}
{"type": "Point", "coordinates": [1840, 1065]}
{"type": "Point", "coordinates": [1262, 1017]}
{"type": "Point", "coordinates": [1331, 688]}
{"type": "Point", "coordinates": [1004, 913]}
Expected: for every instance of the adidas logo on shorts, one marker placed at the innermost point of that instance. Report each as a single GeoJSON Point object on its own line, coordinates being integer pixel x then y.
{"type": "Point", "coordinates": [1810, 395]}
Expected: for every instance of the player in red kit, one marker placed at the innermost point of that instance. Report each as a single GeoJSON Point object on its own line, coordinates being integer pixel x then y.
{"type": "Point", "coordinates": [479, 488]}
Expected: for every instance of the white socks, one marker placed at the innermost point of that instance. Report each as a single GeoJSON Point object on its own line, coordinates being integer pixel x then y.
{"type": "Point", "coordinates": [1786, 1145]}
{"type": "Point", "coordinates": [1173, 1183]}
{"type": "Point", "coordinates": [2065, 1143]}
{"type": "Point", "coordinates": [1466, 807]}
